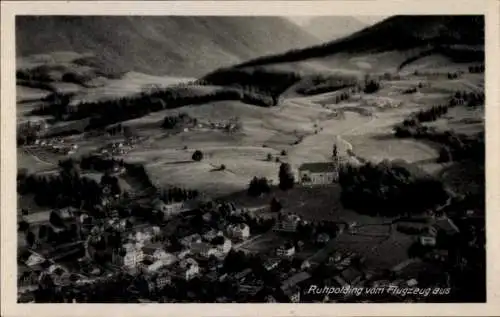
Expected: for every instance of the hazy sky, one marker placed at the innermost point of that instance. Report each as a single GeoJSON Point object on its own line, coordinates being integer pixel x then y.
{"type": "Point", "coordinates": [301, 20]}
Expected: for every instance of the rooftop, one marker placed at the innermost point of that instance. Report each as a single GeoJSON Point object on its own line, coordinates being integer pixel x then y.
{"type": "Point", "coordinates": [318, 167]}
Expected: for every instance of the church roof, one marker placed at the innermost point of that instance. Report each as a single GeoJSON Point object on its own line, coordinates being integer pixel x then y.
{"type": "Point", "coordinates": [319, 167]}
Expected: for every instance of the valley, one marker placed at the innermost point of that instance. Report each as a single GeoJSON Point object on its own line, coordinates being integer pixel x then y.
{"type": "Point", "coordinates": [252, 157]}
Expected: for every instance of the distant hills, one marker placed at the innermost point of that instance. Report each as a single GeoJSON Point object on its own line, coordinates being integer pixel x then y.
{"type": "Point", "coordinates": [186, 46]}
{"type": "Point", "coordinates": [459, 37]}
{"type": "Point", "coordinates": [330, 28]}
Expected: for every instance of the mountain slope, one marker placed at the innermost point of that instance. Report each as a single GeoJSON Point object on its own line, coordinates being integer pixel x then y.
{"type": "Point", "coordinates": [329, 28]}
{"type": "Point", "coordinates": [172, 45]}
{"type": "Point", "coordinates": [461, 35]}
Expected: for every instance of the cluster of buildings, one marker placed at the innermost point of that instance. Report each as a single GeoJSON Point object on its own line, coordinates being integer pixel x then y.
{"type": "Point", "coordinates": [56, 145]}
{"type": "Point", "coordinates": [116, 148]}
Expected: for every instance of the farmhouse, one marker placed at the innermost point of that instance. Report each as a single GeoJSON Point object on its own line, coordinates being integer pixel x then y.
{"type": "Point", "coordinates": [320, 173]}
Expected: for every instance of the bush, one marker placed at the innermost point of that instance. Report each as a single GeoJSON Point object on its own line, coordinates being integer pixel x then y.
{"type": "Point", "coordinates": [222, 167]}
{"type": "Point", "coordinates": [269, 157]}
{"type": "Point", "coordinates": [371, 86]}
{"type": "Point", "coordinates": [258, 186]}
{"type": "Point", "coordinates": [283, 153]}
{"type": "Point", "coordinates": [197, 156]}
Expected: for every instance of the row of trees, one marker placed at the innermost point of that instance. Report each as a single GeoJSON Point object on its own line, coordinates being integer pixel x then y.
{"type": "Point", "coordinates": [177, 194]}
{"type": "Point", "coordinates": [172, 122]}
{"type": "Point", "coordinates": [476, 69]}
{"type": "Point", "coordinates": [389, 188]}
{"type": "Point", "coordinates": [261, 185]}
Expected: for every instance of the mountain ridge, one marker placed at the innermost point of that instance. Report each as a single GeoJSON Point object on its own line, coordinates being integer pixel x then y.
{"type": "Point", "coordinates": [173, 45]}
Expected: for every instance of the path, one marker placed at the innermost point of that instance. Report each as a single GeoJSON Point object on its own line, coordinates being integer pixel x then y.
{"type": "Point", "coordinates": [36, 158]}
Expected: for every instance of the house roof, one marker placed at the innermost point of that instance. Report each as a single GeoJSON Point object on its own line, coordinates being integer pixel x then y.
{"type": "Point", "coordinates": [295, 279]}
{"type": "Point", "coordinates": [350, 274]}
{"type": "Point", "coordinates": [318, 167]}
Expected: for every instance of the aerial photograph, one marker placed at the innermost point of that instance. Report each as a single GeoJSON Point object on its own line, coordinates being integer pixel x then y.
{"type": "Point", "coordinates": [250, 159]}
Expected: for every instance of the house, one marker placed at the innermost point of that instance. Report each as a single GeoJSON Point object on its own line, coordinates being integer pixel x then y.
{"type": "Point", "coordinates": [296, 279]}
{"type": "Point", "coordinates": [27, 281]}
{"type": "Point", "coordinates": [239, 231]}
{"type": "Point", "coordinates": [129, 256]}
{"type": "Point", "coordinates": [212, 234]}
{"type": "Point", "coordinates": [162, 279]}
{"type": "Point", "coordinates": [286, 250]}
{"type": "Point", "coordinates": [167, 209]}
{"type": "Point", "coordinates": [225, 246]}
{"type": "Point", "coordinates": [320, 173]}
{"type": "Point", "coordinates": [188, 240]}
{"type": "Point", "coordinates": [447, 226]}
{"type": "Point", "coordinates": [34, 260]}
{"type": "Point", "coordinates": [323, 238]}
{"type": "Point", "coordinates": [427, 241]}
{"type": "Point", "coordinates": [412, 282]}
{"type": "Point", "coordinates": [183, 254]}
{"type": "Point", "coordinates": [187, 269]}
{"type": "Point", "coordinates": [287, 223]}
{"type": "Point", "coordinates": [292, 293]}
{"type": "Point", "coordinates": [351, 275]}
{"type": "Point", "coordinates": [203, 249]}
{"type": "Point", "coordinates": [155, 252]}
{"type": "Point", "coordinates": [271, 263]}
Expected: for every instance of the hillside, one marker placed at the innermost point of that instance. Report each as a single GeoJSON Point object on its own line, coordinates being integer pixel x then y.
{"type": "Point", "coordinates": [185, 46]}
{"type": "Point", "coordinates": [330, 28]}
{"type": "Point", "coordinates": [455, 36]}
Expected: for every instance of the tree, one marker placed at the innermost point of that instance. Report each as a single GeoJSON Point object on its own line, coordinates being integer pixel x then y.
{"type": "Point", "coordinates": [23, 225]}
{"type": "Point", "coordinates": [197, 156]}
{"type": "Point", "coordinates": [258, 186]}
{"type": "Point", "coordinates": [286, 176]}
{"type": "Point", "coordinates": [335, 151]}
{"type": "Point", "coordinates": [444, 155]}
{"type": "Point", "coordinates": [222, 167]}
{"type": "Point", "coordinates": [276, 205]}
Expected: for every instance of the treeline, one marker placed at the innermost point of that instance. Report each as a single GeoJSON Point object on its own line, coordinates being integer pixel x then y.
{"type": "Point", "coordinates": [454, 146]}
{"type": "Point", "coordinates": [177, 194]}
{"type": "Point", "coordinates": [106, 112]}
{"type": "Point", "coordinates": [67, 188]}
{"type": "Point", "coordinates": [173, 121]}
{"type": "Point", "coordinates": [263, 82]}
{"type": "Point", "coordinates": [431, 114]}
{"type": "Point", "coordinates": [28, 132]}
{"type": "Point", "coordinates": [321, 84]}
{"type": "Point", "coordinates": [470, 99]}
{"type": "Point", "coordinates": [389, 188]}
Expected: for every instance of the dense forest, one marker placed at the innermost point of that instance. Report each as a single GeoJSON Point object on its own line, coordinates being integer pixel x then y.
{"type": "Point", "coordinates": [389, 188]}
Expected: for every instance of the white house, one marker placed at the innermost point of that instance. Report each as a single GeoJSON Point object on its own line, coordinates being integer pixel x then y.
{"type": "Point", "coordinates": [286, 250]}
{"type": "Point", "coordinates": [189, 240]}
{"type": "Point", "coordinates": [187, 269]}
{"type": "Point", "coordinates": [225, 246]}
{"type": "Point", "coordinates": [239, 231]}
{"type": "Point", "coordinates": [320, 173]}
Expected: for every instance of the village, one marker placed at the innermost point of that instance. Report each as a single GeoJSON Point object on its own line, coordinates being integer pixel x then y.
{"type": "Point", "coordinates": [165, 240]}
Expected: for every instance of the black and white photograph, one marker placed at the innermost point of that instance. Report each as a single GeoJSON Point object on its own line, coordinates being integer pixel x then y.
{"type": "Point", "coordinates": [250, 159]}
